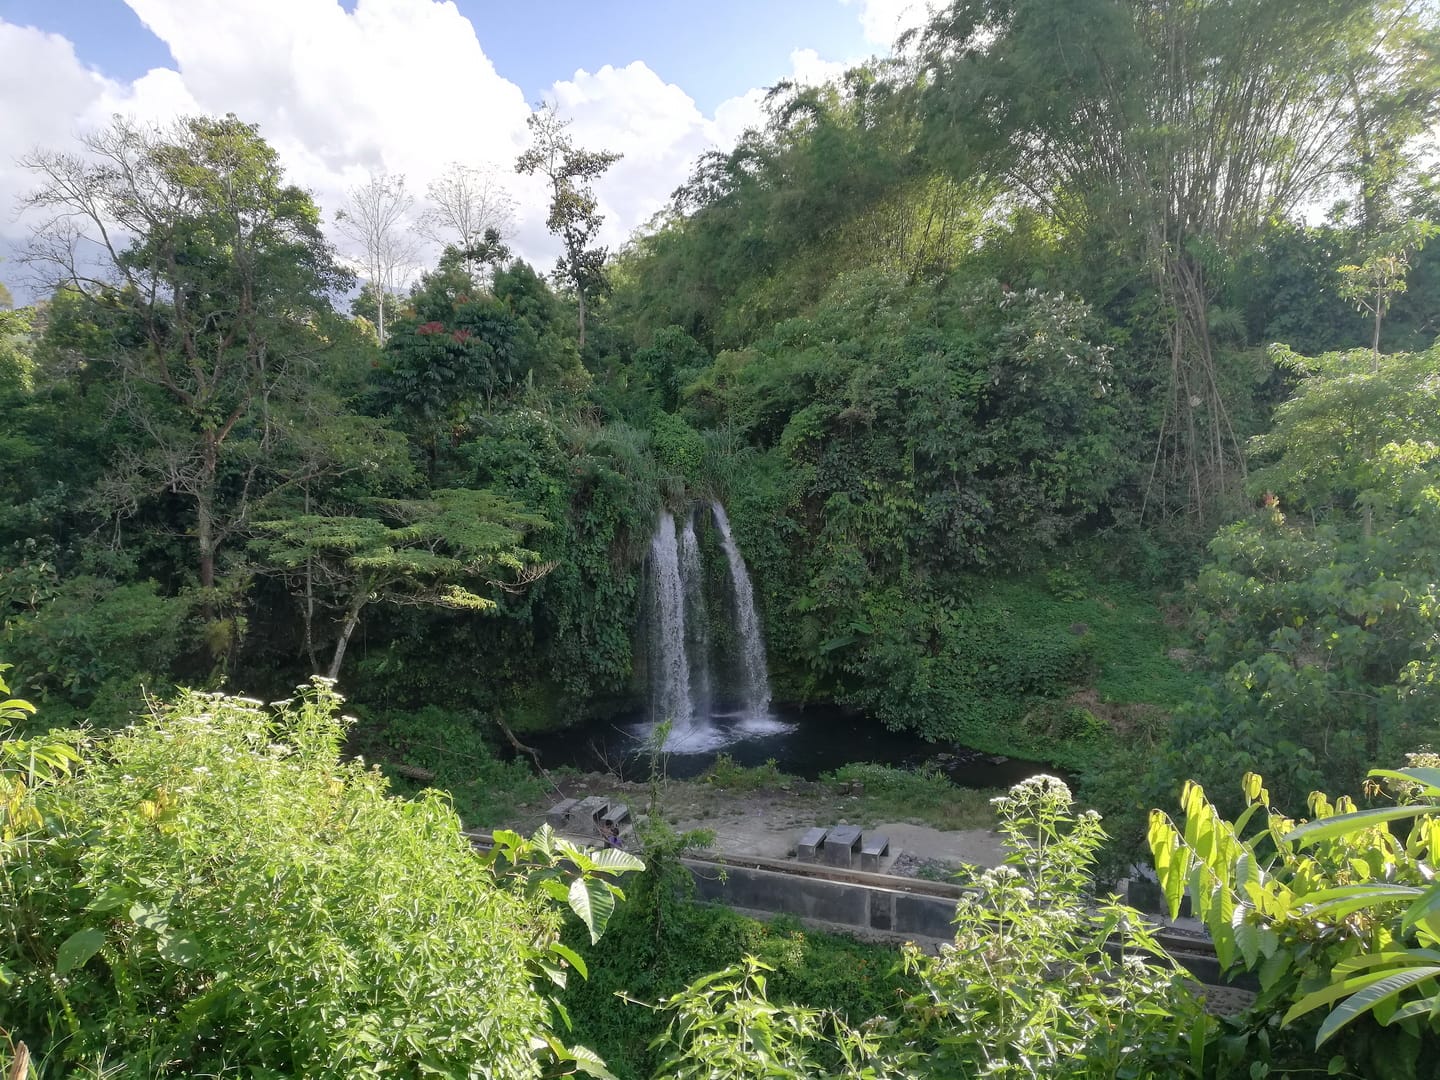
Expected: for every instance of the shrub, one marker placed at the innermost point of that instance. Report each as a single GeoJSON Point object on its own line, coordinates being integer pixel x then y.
{"type": "Point", "coordinates": [219, 893]}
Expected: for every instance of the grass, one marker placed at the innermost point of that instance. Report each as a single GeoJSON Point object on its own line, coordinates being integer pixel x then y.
{"type": "Point", "coordinates": [1125, 627]}
{"type": "Point", "coordinates": [727, 774]}
{"type": "Point", "coordinates": [925, 797]}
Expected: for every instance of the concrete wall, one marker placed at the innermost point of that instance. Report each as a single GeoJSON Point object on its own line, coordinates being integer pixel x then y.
{"type": "Point", "coordinates": [846, 903]}
{"type": "Point", "coordinates": [868, 905]}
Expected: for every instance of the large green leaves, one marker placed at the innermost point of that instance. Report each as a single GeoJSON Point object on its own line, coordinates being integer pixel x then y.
{"type": "Point", "coordinates": [76, 950]}
{"type": "Point", "coordinates": [553, 866]}
{"type": "Point", "coordinates": [1295, 894]}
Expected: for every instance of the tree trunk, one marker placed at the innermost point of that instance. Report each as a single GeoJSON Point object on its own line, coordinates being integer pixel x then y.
{"type": "Point", "coordinates": [1375, 343]}
{"type": "Point", "coordinates": [205, 521]}
{"type": "Point", "coordinates": [1197, 450]}
{"type": "Point", "coordinates": [205, 534]}
{"type": "Point", "coordinates": [580, 297]}
{"type": "Point", "coordinates": [205, 537]}
{"type": "Point", "coordinates": [308, 608]}
{"type": "Point", "coordinates": [352, 619]}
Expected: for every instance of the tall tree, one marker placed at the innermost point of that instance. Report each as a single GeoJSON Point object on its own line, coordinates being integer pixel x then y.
{"type": "Point", "coordinates": [574, 212]}
{"type": "Point", "coordinates": [432, 552]}
{"type": "Point", "coordinates": [467, 203]}
{"type": "Point", "coordinates": [206, 275]}
{"type": "Point", "coordinates": [376, 220]}
{"type": "Point", "coordinates": [1182, 127]}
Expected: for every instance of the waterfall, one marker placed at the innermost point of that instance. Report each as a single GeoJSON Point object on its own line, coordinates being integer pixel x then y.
{"type": "Point", "coordinates": [756, 679]}
{"type": "Point", "coordinates": [697, 621]}
{"type": "Point", "coordinates": [682, 687]}
{"type": "Point", "coordinates": [669, 662]}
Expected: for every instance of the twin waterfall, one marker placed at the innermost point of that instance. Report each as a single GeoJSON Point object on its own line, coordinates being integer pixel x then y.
{"type": "Point", "coordinates": [691, 686]}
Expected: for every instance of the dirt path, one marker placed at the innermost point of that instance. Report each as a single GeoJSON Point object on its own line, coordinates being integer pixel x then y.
{"type": "Point", "coordinates": [768, 821]}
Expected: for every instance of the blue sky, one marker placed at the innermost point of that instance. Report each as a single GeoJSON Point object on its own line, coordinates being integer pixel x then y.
{"type": "Point", "coordinates": [344, 90]}
{"type": "Point", "coordinates": [712, 51]}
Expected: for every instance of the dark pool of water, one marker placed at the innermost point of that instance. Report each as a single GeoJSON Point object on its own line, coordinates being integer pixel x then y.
{"type": "Point", "coordinates": [802, 742]}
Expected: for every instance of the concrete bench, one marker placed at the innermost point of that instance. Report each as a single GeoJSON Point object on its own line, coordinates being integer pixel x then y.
{"type": "Point", "coordinates": [874, 848]}
{"type": "Point", "coordinates": [808, 850]}
{"type": "Point", "coordinates": [616, 816]}
{"type": "Point", "coordinates": [840, 845]}
{"type": "Point", "coordinates": [558, 816]}
{"type": "Point", "coordinates": [590, 812]}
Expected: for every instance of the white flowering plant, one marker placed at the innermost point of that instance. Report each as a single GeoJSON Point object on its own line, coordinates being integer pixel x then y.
{"type": "Point", "coordinates": [1044, 979]}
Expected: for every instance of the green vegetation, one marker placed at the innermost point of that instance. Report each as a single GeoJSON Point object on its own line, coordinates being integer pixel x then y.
{"type": "Point", "coordinates": [725, 773]}
{"type": "Point", "coordinates": [431, 747]}
{"type": "Point", "coordinates": [1339, 916]}
{"type": "Point", "coordinates": [1055, 1005]}
{"type": "Point", "coordinates": [216, 890]}
{"type": "Point", "coordinates": [924, 796]}
{"type": "Point", "coordinates": [649, 955]}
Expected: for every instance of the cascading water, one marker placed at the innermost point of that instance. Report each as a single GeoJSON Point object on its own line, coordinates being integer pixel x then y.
{"type": "Point", "coordinates": [755, 690]}
{"type": "Point", "coordinates": [669, 661]}
{"type": "Point", "coordinates": [682, 686]}
{"type": "Point", "coordinates": [697, 620]}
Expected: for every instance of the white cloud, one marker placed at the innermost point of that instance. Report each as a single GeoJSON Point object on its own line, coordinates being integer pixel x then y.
{"type": "Point", "coordinates": [400, 85]}
{"type": "Point", "coordinates": [810, 69]}
{"type": "Point", "coordinates": [885, 20]}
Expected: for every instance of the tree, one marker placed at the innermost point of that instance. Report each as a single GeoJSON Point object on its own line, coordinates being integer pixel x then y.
{"type": "Point", "coordinates": [205, 276]}
{"type": "Point", "coordinates": [430, 552]}
{"type": "Point", "coordinates": [17, 364]}
{"type": "Point", "coordinates": [376, 219]}
{"type": "Point", "coordinates": [1319, 613]}
{"type": "Point", "coordinates": [1181, 128]}
{"type": "Point", "coordinates": [467, 204]}
{"type": "Point", "coordinates": [454, 349]}
{"type": "Point", "coordinates": [1374, 283]}
{"type": "Point", "coordinates": [574, 212]}
{"type": "Point", "coordinates": [1392, 83]}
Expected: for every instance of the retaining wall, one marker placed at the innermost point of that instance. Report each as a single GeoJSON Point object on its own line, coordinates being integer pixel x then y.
{"type": "Point", "coordinates": [860, 904]}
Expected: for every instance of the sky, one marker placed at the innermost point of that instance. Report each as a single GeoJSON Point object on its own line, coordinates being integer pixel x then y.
{"type": "Point", "coordinates": [343, 88]}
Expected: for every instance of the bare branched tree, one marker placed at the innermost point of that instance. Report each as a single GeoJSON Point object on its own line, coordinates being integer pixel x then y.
{"type": "Point", "coordinates": [376, 219]}
{"type": "Point", "coordinates": [465, 203]}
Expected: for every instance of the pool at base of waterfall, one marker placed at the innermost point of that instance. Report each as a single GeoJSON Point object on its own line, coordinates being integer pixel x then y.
{"type": "Point", "coordinates": [805, 742]}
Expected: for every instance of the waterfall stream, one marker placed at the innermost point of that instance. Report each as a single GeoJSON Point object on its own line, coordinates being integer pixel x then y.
{"type": "Point", "coordinates": [683, 686]}
{"type": "Point", "coordinates": [697, 619]}
{"type": "Point", "coordinates": [670, 664]}
{"type": "Point", "coordinates": [756, 687]}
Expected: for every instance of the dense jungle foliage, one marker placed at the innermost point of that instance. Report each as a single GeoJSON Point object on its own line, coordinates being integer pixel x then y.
{"type": "Point", "coordinates": [1070, 377]}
